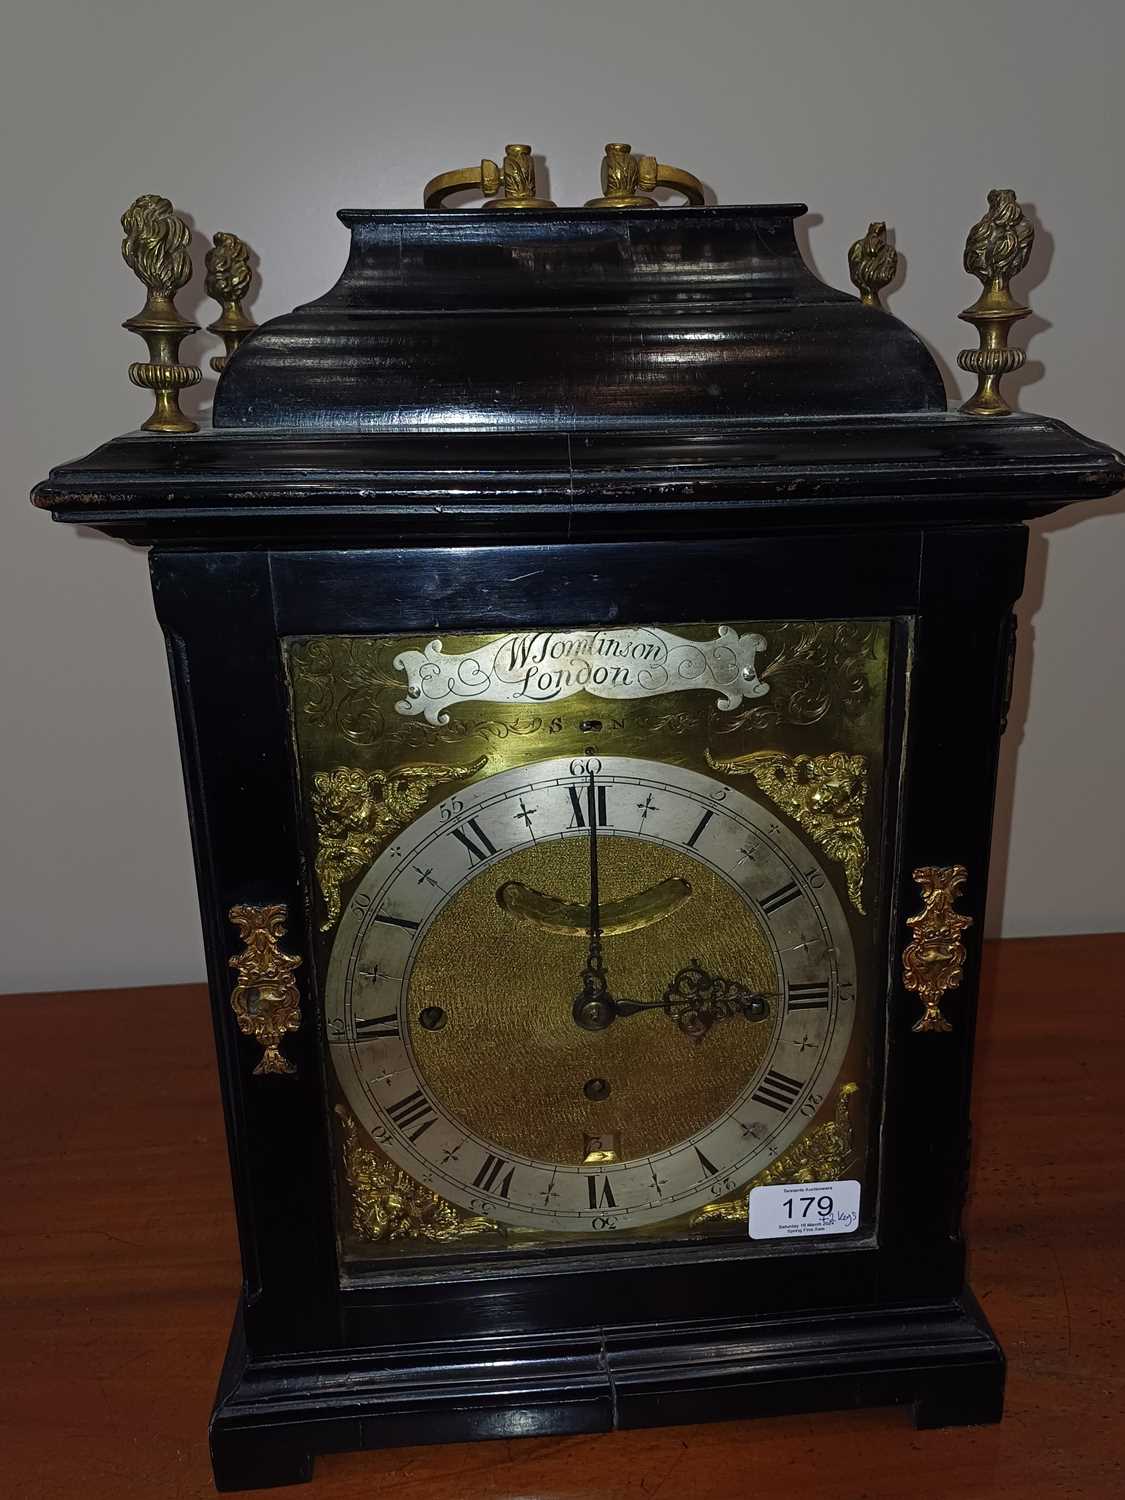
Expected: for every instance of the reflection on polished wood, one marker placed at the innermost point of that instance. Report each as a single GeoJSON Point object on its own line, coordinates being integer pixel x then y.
{"type": "Point", "coordinates": [119, 1268]}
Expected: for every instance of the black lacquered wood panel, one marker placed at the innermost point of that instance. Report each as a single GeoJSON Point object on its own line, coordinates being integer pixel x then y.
{"type": "Point", "coordinates": [549, 322]}
{"type": "Point", "coordinates": [293, 489]}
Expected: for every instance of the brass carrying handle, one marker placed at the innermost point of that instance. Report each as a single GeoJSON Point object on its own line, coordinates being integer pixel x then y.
{"type": "Point", "coordinates": [485, 179]}
{"type": "Point", "coordinates": [628, 180]}
{"type": "Point", "coordinates": [516, 177]}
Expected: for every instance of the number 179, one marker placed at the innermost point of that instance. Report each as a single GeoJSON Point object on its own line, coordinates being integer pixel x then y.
{"type": "Point", "coordinates": [823, 1206]}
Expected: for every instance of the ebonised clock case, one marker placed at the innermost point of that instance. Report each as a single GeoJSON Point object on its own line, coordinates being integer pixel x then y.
{"type": "Point", "coordinates": [359, 480]}
{"type": "Point", "coordinates": [643, 1336]}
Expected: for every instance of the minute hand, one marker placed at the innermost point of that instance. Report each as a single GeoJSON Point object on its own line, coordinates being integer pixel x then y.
{"type": "Point", "coordinates": [593, 976]}
{"type": "Point", "coordinates": [595, 904]}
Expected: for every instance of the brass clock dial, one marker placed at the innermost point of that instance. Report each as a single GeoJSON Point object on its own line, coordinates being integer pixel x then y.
{"type": "Point", "coordinates": [590, 994]}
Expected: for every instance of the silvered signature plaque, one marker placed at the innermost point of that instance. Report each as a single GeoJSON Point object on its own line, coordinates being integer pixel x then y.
{"type": "Point", "coordinates": [548, 665]}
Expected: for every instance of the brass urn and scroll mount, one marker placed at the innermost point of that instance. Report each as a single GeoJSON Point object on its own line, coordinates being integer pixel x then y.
{"type": "Point", "coordinates": [590, 637]}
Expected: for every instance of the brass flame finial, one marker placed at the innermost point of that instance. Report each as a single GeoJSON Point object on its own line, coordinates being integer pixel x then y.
{"type": "Point", "coordinates": [997, 249]}
{"type": "Point", "coordinates": [155, 250]}
{"type": "Point", "coordinates": [228, 281]}
{"type": "Point", "coordinates": [516, 178]}
{"type": "Point", "coordinates": [872, 264]}
{"type": "Point", "coordinates": [627, 180]}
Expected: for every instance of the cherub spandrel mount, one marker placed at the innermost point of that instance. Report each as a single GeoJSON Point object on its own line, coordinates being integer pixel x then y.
{"type": "Point", "coordinates": [358, 811]}
{"type": "Point", "coordinates": [824, 794]}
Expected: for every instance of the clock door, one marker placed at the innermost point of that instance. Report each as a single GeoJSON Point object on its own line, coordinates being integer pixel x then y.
{"type": "Point", "coordinates": [598, 913]}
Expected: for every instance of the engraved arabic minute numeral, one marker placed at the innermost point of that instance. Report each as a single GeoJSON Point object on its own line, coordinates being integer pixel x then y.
{"type": "Point", "coordinates": [809, 996]}
{"type": "Point", "coordinates": [486, 1178]}
{"type": "Point", "coordinates": [412, 1110]}
{"type": "Point", "coordinates": [778, 1091]}
{"type": "Point", "coordinates": [478, 853]}
{"type": "Point", "coordinates": [369, 1027]}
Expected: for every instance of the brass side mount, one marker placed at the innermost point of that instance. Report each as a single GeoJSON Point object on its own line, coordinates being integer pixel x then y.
{"type": "Point", "coordinates": [514, 181]}
{"type": "Point", "coordinates": [934, 959]}
{"type": "Point", "coordinates": [627, 180]}
{"type": "Point", "coordinates": [997, 249]}
{"type": "Point", "coordinates": [265, 1000]}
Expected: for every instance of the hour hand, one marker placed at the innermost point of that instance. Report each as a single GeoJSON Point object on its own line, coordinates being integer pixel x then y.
{"type": "Point", "coordinates": [695, 1000]}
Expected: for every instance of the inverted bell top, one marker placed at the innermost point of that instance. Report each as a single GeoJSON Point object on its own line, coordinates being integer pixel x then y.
{"type": "Point", "coordinates": [574, 320]}
{"type": "Point", "coordinates": [574, 373]}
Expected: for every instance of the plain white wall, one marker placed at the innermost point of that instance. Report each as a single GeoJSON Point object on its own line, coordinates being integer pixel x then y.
{"type": "Point", "coordinates": [265, 118]}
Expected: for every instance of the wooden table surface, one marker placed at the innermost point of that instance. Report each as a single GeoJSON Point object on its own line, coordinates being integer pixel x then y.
{"type": "Point", "coordinates": [118, 1275]}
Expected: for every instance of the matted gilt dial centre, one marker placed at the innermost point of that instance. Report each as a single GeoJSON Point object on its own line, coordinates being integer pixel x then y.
{"type": "Point", "coordinates": [514, 1024]}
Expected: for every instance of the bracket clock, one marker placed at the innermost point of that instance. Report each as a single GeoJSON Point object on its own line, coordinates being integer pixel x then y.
{"type": "Point", "coordinates": [590, 638]}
